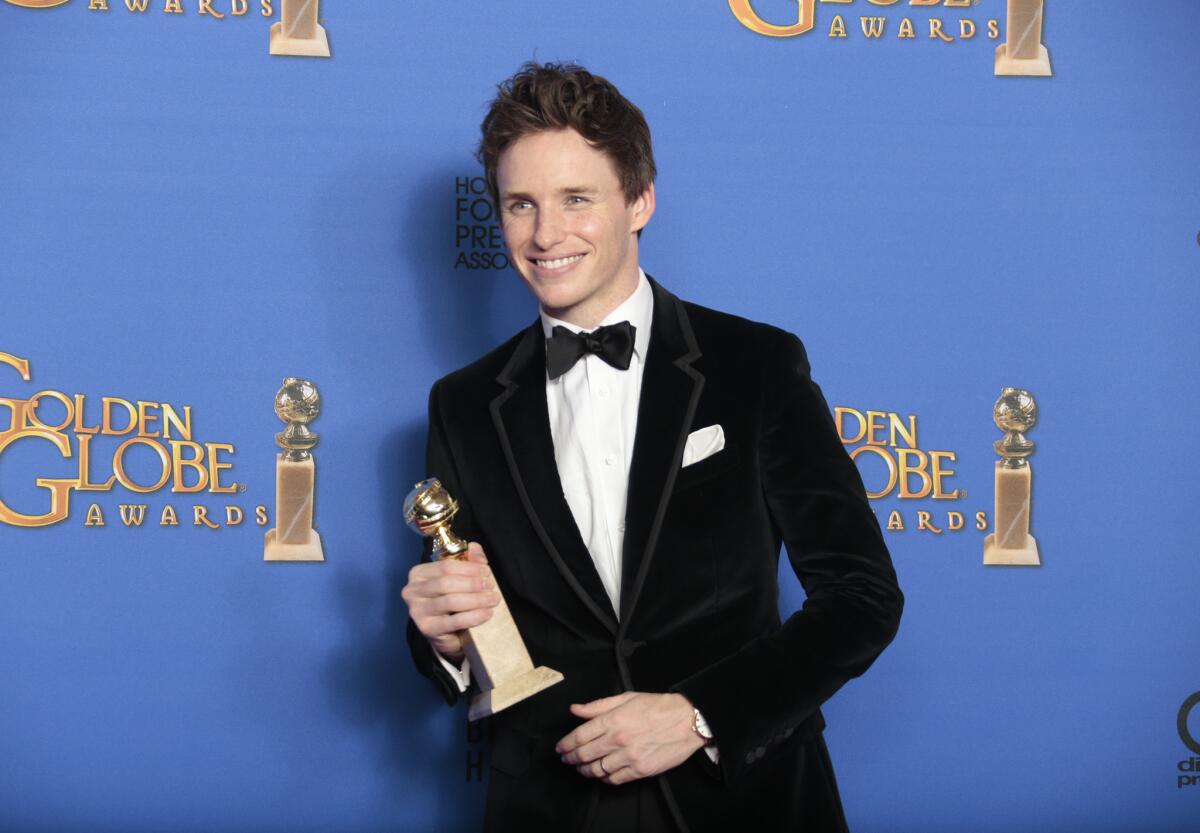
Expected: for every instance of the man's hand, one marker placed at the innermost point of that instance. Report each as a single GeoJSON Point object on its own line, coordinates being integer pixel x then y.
{"type": "Point", "coordinates": [446, 597]}
{"type": "Point", "coordinates": [630, 736]}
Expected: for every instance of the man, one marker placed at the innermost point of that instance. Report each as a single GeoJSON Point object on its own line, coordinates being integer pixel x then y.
{"type": "Point", "coordinates": [628, 467]}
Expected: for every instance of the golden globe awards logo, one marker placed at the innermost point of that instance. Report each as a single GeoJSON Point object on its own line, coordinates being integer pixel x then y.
{"type": "Point", "coordinates": [158, 432]}
{"type": "Point", "coordinates": [884, 446]}
{"type": "Point", "coordinates": [1021, 54]}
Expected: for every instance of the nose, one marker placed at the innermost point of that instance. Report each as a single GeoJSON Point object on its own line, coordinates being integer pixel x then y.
{"type": "Point", "coordinates": [549, 228]}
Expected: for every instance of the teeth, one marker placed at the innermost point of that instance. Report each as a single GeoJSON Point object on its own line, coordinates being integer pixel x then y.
{"type": "Point", "coordinates": [557, 263]}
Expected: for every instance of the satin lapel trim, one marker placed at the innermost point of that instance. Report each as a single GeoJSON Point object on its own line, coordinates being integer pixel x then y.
{"type": "Point", "coordinates": [670, 391]}
{"type": "Point", "coordinates": [529, 451]}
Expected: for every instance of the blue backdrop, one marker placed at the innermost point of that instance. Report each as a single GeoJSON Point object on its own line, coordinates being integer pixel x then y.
{"type": "Point", "coordinates": [187, 220]}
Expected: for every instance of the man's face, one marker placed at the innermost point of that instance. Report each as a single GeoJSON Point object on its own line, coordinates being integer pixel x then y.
{"type": "Point", "coordinates": [570, 233]}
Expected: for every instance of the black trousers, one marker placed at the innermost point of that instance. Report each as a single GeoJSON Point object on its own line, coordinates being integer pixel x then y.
{"type": "Point", "coordinates": [636, 807]}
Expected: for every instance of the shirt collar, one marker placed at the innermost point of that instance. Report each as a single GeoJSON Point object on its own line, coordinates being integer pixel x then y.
{"type": "Point", "coordinates": [637, 309]}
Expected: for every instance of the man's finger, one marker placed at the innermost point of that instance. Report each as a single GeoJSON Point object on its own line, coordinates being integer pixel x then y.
{"type": "Point", "coordinates": [476, 554]}
{"type": "Point", "coordinates": [459, 602]}
{"type": "Point", "coordinates": [586, 733]}
{"type": "Point", "coordinates": [604, 704]}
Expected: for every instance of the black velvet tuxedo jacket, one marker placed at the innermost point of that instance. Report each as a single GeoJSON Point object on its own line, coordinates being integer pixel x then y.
{"type": "Point", "coordinates": [699, 590]}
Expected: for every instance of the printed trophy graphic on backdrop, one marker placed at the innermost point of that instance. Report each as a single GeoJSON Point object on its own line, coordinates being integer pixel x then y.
{"type": "Point", "coordinates": [298, 32]}
{"type": "Point", "coordinates": [294, 538]}
{"type": "Point", "coordinates": [500, 662]}
{"type": "Point", "coordinates": [1023, 52]}
{"type": "Point", "coordinates": [1015, 413]}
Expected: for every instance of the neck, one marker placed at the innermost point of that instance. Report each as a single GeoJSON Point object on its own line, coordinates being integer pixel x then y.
{"type": "Point", "coordinates": [590, 313]}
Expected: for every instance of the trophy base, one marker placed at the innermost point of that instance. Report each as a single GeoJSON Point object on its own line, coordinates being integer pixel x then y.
{"type": "Point", "coordinates": [1026, 556]}
{"type": "Point", "coordinates": [513, 691]}
{"type": "Point", "coordinates": [310, 550]}
{"type": "Point", "coordinates": [1022, 66]}
{"type": "Point", "coordinates": [315, 47]}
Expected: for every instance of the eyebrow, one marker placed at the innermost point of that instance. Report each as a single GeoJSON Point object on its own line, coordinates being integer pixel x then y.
{"type": "Point", "coordinates": [575, 189]}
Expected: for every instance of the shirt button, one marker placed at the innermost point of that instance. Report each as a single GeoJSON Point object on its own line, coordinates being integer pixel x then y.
{"type": "Point", "coordinates": [603, 392]}
{"type": "Point", "coordinates": [620, 527]}
{"type": "Point", "coordinates": [609, 459]}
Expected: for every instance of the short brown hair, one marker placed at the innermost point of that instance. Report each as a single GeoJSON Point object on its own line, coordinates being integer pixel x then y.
{"type": "Point", "coordinates": [558, 96]}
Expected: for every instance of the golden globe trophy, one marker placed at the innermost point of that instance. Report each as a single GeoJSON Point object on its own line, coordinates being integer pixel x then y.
{"type": "Point", "coordinates": [1023, 52]}
{"type": "Point", "coordinates": [1011, 544]}
{"type": "Point", "coordinates": [298, 32]}
{"type": "Point", "coordinates": [294, 538]}
{"type": "Point", "coordinates": [499, 659]}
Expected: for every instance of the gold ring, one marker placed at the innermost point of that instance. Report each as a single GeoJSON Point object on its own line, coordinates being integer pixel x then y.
{"type": "Point", "coordinates": [602, 769]}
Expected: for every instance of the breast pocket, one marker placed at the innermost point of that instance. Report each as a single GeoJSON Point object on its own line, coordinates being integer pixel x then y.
{"type": "Point", "coordinates": [707, 469]}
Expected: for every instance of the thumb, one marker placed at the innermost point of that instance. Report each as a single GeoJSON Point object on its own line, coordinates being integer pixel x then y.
{"type": "Point", "coordinates": [475, 553]}
{"type": "Point", "coordinates": [598, 707]}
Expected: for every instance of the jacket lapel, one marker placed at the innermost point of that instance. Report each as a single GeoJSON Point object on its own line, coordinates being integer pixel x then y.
{"type": "Point", "coordinates": [522, 422]}
{"type": "Point", "coordinates": [670, 390]}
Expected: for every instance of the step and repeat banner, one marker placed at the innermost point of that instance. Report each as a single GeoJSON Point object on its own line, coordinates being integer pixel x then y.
{"type": "Point", "coordinates": [981, 216]}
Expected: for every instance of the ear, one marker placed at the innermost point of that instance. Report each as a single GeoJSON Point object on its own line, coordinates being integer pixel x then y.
{"type": "Point", "coordinates": [643, 208]}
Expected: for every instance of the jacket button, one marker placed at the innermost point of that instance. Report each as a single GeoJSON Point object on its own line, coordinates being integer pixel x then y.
{"type": "Point", "coordinates": [629, 647]}
{"type": "Point", "coordinates": [758, 753]}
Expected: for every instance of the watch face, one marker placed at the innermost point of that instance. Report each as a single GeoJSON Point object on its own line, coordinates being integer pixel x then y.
{"type": "Point", "coordinates": [701, 725]}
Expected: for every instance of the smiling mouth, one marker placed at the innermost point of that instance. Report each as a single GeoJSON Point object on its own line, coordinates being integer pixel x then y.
{"type": "Point", "coordinates": [558, 262]}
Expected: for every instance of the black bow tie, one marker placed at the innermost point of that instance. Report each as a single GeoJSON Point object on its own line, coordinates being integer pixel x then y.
{"type": "Point", "coordinates": [613, 343]}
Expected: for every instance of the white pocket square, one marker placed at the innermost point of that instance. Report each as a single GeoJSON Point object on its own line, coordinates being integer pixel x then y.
{"type": "Point", "coordinates": [703, 443]}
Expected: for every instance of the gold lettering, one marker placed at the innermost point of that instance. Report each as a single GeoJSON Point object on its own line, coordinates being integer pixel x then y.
{"type": "Point", "coordinates": [884, 2]}
{"type": "Point", "coordinates": [906, 29]}
{"type": "Point", "coordinates": [133, 514]}
{"type": "Point", "coordinates": [239, 7]}
{"type": "Point", "coordinates": [35, 403]}
{"type": "Point", "coordinates": [954, 520]}
{"type": "Point", "coordinates": [172, 7]}
{"type": "Point", "coordinates": [957, 4]}
{"type": "Point", "coordinates": [80, 428]}
{"type": "Point", "coordinates": [145, 418]}
{"type": "Point", "coordinates": [837, 27]}
{"type": "Point", "coordinates": [60, 490]}
{"type": "Point", "coordinates": [924, 522]}
{"type": "Point", "coordinates": [94, 516]}
{"type": "Point", "coordinates": [171, 417]}
{"type": "Point", "coordinates": [906, 468]}
{"type": "Point", "coordinates": [216, 467]}
{"type": "Point", "coordinates": [993, 29]}
{"type": "Point", "coordinates": [123, 477]}
{"type": "Point", "coordinates": [935, 30]}
{"type": "Point", "coordinates": [233, 516]}
{"type": "Point", "coordinates": [891, 465]}
{"type": "Point", "coordinates": [966, 29]}
{"type": "Point", "coordinates": [206, 8]}
{"type": "Point", "coordinates": [19, 365]}
{"type": "Point", "coordinates": [746, 16]}
{"type": "Point", "coordinates": [168, 516]}
{"type": "Point", "coordinates": [98, 5]}
{"type": "Point", "coordinates": [873, 27]}
{"type": "Point", "coordinates": [874, 426]}
{"type": "Point", "coordinates": [939, 474]}
{"type": "Point", "coordinates": [136, 5]}
{"type": "Point", "coordinates": [265, 8]}
{"type": "Point", "coordinates": [200, 517]}
{"type": "Point", "coordinates": [18, 414]}
{"type": "Point", "coordinates": [260, 515]}
{"type": "Point", "coordinates": [106, 421]}
{"type": "Point", "coordinates": [85, 465]}
{"type": "Point", "coordinates": [196, 463]}
{"type": "Point", "coordinates": [981, 522]}
{"type": "Point", "coordinates": [839, 415]}
{"type": "Point", "coordinates": [897, 427]}
{"type": "Point", "coordinates": [895, 521]}
{"type": "Point", "coordinates": [923, 2]}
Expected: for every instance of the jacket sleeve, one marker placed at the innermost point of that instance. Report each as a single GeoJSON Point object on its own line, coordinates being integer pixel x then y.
{"type": "Point", "coordinates": [440, 464]}
{"type": "Point", "coordinates": [758, 697]}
